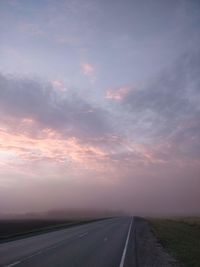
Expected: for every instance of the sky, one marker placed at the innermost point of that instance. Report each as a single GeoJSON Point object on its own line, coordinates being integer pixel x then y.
{"type": "Point", "coordinates": [100, 105]}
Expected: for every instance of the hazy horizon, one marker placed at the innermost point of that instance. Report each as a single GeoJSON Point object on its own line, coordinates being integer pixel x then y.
{"type": "Point", "coordinates": [100, 106]}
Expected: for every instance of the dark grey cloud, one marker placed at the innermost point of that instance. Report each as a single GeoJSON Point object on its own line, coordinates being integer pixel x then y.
{"type": "Point", "coordinates": [65, 112]}
{"type": "Point", "coordinates": [168, 107]}
{"type": "Point", "coordinates": [170, 94]}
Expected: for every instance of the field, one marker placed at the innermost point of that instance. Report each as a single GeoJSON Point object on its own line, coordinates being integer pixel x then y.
{"type": "Point", "coordinates": [181, 237]}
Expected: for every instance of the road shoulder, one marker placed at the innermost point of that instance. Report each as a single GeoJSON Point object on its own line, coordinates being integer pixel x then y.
{"type": "Point", "coordinates": [148, 250]}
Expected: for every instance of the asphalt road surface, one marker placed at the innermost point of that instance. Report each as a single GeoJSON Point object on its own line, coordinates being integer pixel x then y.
{"type": "Point", "coordinates": [104, 243]}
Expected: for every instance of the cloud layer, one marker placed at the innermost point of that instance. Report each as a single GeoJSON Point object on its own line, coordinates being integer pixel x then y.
{"type": "Point", "coordinates": [43, 129]}
{"type": "Point", "coordinates": [99, 112]}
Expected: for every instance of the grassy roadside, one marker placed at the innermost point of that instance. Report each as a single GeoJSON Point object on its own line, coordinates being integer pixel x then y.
{"type": "Point", "coordinates": [181, 237]}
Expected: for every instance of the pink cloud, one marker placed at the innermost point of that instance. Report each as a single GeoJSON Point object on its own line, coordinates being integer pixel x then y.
{"type": "Point", "coordinates": [49, 147]}
{"type": "Point", "coordinates": [88, 70]}
{"type": "Point", "coordinates": [58, 84]}
{"type": "Point", "coordinates": [118, 94]}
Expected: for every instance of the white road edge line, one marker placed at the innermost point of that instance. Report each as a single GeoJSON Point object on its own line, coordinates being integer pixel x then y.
{"type": "Point", "coordinates": [126, 245]}
{"type": "Point", "coordinates": [12, 264]}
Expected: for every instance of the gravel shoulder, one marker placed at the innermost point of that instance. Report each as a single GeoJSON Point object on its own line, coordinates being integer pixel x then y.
{"type": "Point", "coordinates": [148, 251]}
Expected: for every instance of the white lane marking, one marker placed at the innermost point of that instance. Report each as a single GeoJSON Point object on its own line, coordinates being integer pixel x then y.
{"type": "Point", "coordinates": [12, 264]}
{"type": "Point", "coordinates": [83, 234]}
{"type": "Point", "coordinates": [126, 245]}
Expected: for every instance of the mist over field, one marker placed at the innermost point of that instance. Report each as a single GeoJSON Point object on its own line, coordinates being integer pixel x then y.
{"type": "Point", "coordinates": [99, 107]}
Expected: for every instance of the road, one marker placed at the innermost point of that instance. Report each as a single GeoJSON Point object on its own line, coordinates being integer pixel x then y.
{"type": "Point", "coordinates": [102, 243]}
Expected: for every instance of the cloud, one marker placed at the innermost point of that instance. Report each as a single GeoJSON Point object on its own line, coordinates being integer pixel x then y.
{"type": "Point", "coordinates": [118, 94]}
{"type": "Point", "coordinates": [88, 70]}
{"type": "Point", "coordinates": [50, 148]}
{"type": "Point", "coordinates": [66, 112]}
{"type": "Point", "coordinates": [38, 147]}
{"type": "Point", "coordinates": [145, 149]}
{"type": "Point", "coordinates": [167, 105]}
{"type": "Point", "coordinates": [57, 84]}
{"type": "Point", "coordinates": [38, 124]}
